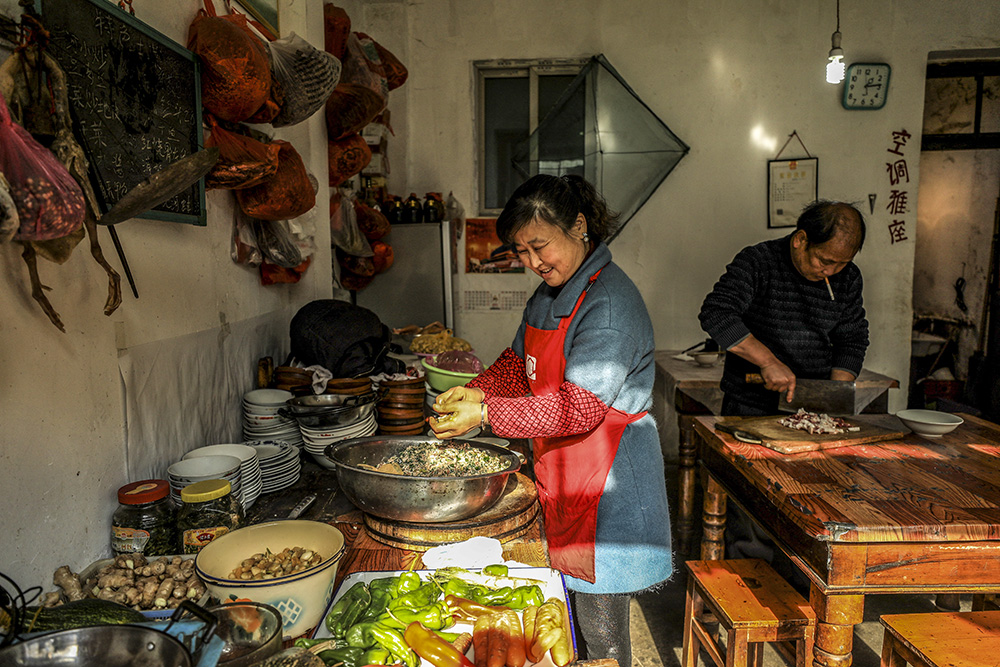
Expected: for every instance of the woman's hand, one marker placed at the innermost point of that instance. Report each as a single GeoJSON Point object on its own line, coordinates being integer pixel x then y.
{"type": "Point", "coordinates": [456, 394]}
{"type": "Point", "coordinates": [459, 413]}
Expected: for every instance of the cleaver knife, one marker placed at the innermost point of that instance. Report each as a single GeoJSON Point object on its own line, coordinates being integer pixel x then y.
{"type": "Point", "coordinates": [833, 397]}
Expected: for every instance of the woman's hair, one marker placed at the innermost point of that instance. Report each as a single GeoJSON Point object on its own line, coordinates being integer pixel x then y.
{"type": "Point", "coordinates": [557, 201]}
{"type": "Point", "coordinates": [823, 218]}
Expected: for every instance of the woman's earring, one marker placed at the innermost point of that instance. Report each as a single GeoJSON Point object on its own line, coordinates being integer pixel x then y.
{"type": "Point", "coordinates": [586, 237]}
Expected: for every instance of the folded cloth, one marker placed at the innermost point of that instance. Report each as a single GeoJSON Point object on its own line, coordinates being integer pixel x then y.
{"type": "Point", "coordinates": [473, 553]}
{"type": "Point", "coordinates": [320, 377]}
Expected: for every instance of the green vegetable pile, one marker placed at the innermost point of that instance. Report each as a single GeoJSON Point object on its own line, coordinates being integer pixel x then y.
{"type": "Point", "coordinates": [367, 623]}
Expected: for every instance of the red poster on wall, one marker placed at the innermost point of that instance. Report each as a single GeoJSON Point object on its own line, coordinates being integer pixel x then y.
{"type": "Point", "coordinates": [484, 253]}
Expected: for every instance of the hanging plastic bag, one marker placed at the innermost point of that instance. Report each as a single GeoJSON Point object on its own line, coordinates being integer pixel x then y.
{"type": "Point", "coordinates": [8, 212]}
{"type": "Point", "coordinates": [395, 71]}
{"type": "Point", "coordinates": [244, 249]}
{"type": "Point", "coordinates": [272, 274]}
{"type": "Point", "coordinates": [286, 194]}
{"type": "Point", "coordinates": [48, 200]}
{"type": "Point", "coordinates": [344, 232]}
{"type": "Point", "coordinates": [235, 73]}
{"type": "Point", "coordinates": [276, 243]}
{"type": "Point", "coordinates": [371, 222]}
{"type": "Point", "coordinates": [347, 157]}
{"type": "Point", "coordinates": [307, 75]}
{"type": "Point", "coordinates": [243, 161]}
{"type": "Point", "coordinates": [362, 92]}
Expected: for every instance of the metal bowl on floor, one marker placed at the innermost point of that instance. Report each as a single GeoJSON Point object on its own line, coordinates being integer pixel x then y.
{"type": "Point", "coordinates": [412, 498]}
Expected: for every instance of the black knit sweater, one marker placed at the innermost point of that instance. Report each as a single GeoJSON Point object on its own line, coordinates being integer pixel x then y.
{"type": "Point", "coordinates": [761, 293]}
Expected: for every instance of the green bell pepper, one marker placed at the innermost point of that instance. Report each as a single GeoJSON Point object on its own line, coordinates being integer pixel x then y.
{"type": "Point", "coordinates": [434, 616]}
{"type": "Point", "coordinates": [376, 656]}
{"type": "Point", "coordinates": [381, 597]}
{"type": "Point", "coordinates": [348, 656]}
{"type": "Point", "coordinates": [417, 598]}
{"type": "Point", "coordinates": [457, 587]}
{"type": "Point", "coordinates": [368, 635]}
{"type": "Point", "coordinates": [497, 570]}
{"type": "Point", "coordinates": [349, 608]}
{"type": "Point", "coordinates": [407, 582]}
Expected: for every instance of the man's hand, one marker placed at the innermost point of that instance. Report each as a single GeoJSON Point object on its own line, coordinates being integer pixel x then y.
{"type": "Point", "coordinates": [779, 377]}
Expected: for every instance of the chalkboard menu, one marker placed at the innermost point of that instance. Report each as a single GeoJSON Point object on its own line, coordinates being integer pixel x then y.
{"type": "Point", "coordinates": [135, 96]}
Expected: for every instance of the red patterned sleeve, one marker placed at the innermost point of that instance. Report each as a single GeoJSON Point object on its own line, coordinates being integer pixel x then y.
{"type": "Point", "coordinates": [569, 411]}
{"type": "Point", "coordinates": [505, 377]}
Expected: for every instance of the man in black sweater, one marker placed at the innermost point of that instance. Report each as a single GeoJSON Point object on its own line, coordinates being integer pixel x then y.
{"type": "Point", "coordinates": [788, 308]}
{"type": "Point", "coordinates": [791, 307]}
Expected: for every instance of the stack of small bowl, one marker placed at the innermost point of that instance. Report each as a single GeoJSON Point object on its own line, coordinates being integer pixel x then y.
{"type": "Point", "coordinates": [401, 407]}
{"type": "Point", "coordinates": [295, 380]}
{"type": "Point", "coordinates": [328, 418]}
{"type": "Point", "coordinates": [349, 386]}
{"type": "Point", "coordinates": [250, 476]}
{"type": "Point", "coordinates": [261, 420]}
{"type": "Point", "coordinates": [198, 469]}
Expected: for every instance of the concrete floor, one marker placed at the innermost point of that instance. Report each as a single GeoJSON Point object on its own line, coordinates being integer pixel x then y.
{"type": "Point", "coordinates": [658, 618]}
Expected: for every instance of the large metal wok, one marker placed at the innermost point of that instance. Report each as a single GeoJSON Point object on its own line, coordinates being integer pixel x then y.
{"type": "Point", "coordinates": [410, 498]}
{"type": "Point", "coordinates": [99, 646]}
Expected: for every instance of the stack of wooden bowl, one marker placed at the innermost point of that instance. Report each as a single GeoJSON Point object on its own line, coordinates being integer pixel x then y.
{"type": "Point", "coordinates": [296, 380]}
{"type": "Point", "coordinates": [400, 410]}
{"type": "Point", "coordinates": [349, 386]}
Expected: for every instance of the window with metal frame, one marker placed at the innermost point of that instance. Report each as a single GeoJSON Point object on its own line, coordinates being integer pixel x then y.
{"type": "Point", "coordinates": [513, 97]}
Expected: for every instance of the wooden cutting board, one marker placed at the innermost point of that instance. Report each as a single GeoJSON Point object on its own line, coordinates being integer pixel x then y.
{"type": "Point", "coordinates": [874, 428]}
{"type": "Point", "coordinates": [511, 517]}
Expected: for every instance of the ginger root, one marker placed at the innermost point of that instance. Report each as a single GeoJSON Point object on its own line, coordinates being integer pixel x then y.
{"type": "Point", "coordinates": [69, 582]}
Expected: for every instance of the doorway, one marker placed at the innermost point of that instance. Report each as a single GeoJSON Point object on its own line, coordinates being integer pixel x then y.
{"type": "Point", "coordinates": [955, 357]}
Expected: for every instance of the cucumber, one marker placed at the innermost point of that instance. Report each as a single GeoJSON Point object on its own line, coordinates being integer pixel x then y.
{"type": "Point", "coordinates": [79, 614]}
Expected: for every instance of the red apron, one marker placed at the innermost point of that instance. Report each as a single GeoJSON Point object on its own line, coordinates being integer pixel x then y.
{"type": "Point", "coordinates": [570, 471]}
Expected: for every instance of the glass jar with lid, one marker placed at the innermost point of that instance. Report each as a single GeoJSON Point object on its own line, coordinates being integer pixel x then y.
{"type": "Point", "coordinates": [208, 511]}
{"type": "Point", "coordinates": [144, 521]}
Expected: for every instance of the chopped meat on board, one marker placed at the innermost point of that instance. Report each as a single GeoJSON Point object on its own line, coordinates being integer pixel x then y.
{"type": "Point", "coordinates": [816, 423]}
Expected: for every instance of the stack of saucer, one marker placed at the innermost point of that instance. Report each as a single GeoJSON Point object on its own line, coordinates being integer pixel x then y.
{"type": "Point", "coordinates": [198, 469]}
{"type": "Point", "coordinates": [280, 465]}
{"type": "Point", "coordinates": [316, 439]}
{"type": "Point", "coordinates": [261, 420]}
{"type": "Point", "coordinates": [401, 406]}
{"type": "Point", "coordinates": [249, 467]}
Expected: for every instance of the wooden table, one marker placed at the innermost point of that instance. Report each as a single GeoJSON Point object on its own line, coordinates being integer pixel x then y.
{"type": "Point", "coordinates": [694, 390]}
{"type": "Point", "coordinates": [914, 515]}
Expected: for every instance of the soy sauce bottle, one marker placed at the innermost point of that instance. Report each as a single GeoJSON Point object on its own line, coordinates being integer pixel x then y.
{"type": "Point", "coordinates": [413, 210]}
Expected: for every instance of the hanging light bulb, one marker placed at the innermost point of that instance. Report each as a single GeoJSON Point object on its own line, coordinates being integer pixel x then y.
{"type": "Point", "coordinates": [835, 66]}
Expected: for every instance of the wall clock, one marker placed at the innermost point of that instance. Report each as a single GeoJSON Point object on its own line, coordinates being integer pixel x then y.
{"type": "Point", "coordinates": [866, 86]}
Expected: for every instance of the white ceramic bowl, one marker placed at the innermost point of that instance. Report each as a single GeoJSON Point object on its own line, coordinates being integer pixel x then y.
{"type": "Point", "coordinates": [204, 467]}
{"type": "Point", "coordinates": [707, 359]}
{"type": "Point", "coordinates": [301, 598]}
{"type": "Point", "coordinates": [242, 452]}
{"type": "Point", "coordinates": [929, 423]}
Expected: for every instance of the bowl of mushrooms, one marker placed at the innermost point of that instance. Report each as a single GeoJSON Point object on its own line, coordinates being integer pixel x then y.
{"type": "Point", "coordinates": [290, 565]}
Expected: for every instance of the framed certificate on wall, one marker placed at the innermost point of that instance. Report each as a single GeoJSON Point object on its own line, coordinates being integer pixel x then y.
{"type": "Point", "coordinates": [791, 185]}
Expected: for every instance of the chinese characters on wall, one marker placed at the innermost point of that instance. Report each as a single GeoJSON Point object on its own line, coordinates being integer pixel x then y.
{"type": "Point", "coordinates": [899, 179]}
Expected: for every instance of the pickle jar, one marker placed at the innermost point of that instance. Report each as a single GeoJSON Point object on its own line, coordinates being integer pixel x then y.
{"type": "Point", "coordinates": [144, 522]}
{"type": "Point", "coordinates": [208, 510]}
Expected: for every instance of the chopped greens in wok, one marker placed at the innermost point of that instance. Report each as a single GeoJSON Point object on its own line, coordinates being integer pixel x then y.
{"type": "Point", "coordinates": [428, 459]}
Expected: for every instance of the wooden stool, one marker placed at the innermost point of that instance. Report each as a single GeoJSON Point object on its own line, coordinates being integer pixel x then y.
{"type": "Point", "coordinates": [952, 639]}
{"type": "Point", "coordinates": [753, 604]}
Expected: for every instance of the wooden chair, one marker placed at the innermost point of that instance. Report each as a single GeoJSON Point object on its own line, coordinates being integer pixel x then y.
{"type": "Point", "coordinates": [952, 639]}
{"type": "Point", "coordinates": [752, 604]}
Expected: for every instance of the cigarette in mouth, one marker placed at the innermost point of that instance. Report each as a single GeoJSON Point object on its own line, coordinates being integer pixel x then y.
{"type": "Point", "coordinates": [829, 289]}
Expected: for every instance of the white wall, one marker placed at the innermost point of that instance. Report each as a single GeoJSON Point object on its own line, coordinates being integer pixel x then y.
{"type": "Point", "coordinates": [733, 80]}
{"type": "Point", "coordinates": [63, 427]}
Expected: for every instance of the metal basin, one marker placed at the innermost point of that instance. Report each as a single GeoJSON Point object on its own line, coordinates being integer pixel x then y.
{"type": "Point", "coordinates": [409, 498]}
{"type": "Point", "coordinates": [329, 410]}
{"type": "Point", "coordinates": [99, 646]}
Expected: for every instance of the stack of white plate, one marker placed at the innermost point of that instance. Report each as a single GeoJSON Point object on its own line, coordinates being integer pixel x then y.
{"type": "Point", "coordinates": [280, 464]}
{"type": "Point", "coordinates": [249, 467]}
{"type": "Point", "coordinates": [261, 420]}
{"type": "Point", "coordinates": [215, 466]}
{"type": "Point", "coordinates": [316, 439]}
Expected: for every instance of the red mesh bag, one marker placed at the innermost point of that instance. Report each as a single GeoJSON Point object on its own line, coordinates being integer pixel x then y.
{"type": "Point", "coordinates": [336, 29]}
{"type": "Point", "coordinates": [235, 73]}
{"type": "Point", "coordinates": [371, 222]}
{"type": "Point", "coordinates": [243, 161]}
{"type": "Point", "coordinates": [395, 72]}
{"type": "Point", "coordinates": [352, 281]}
{"type": "Point", "coordinates": [383, 257]}
{"type": "Point", "coordinates": [48, 200]}
{"type": "Point", "coordinates": [347, 157]}
{"type": "Point", "coordinates": [288, 194]}
{"type": "Point", "coordinates": [272, 274]}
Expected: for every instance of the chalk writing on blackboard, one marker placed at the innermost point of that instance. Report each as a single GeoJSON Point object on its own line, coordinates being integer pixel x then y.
{"type": "Point", "coordinates": [135, 98]}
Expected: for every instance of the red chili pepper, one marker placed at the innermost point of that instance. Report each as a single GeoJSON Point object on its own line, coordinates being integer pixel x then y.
{"type": "Point", "coordinates": [471, 608]}
{"type": "Point", "coordinates": [433, 649]}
